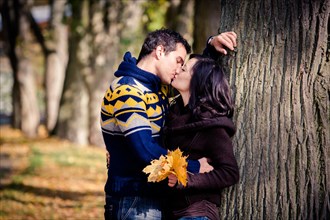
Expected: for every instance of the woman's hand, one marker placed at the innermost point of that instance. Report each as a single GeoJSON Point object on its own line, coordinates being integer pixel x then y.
{"type": "Point", "coordinates": [205, 167]}
{"type": "Point", "coordinates": [223, 41]}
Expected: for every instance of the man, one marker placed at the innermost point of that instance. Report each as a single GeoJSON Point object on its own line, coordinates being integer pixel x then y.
{"type": "Point", "coordinates": [132, 115]}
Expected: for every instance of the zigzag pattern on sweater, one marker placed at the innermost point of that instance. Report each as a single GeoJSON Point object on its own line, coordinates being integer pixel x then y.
{"type": "Point", "coordinates": [128, 108]}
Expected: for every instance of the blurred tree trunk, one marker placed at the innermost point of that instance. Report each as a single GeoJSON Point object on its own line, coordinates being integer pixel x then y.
{"type": "Point", "coordinates": [17, 25]}
{"type": "Point", "coordinates": [132, 35]}
{"type": "Point", "coordinates": [281, 78]}
{"type": "Point", "coordinates": [206, 22]}
{"type": "Point", "coordinates": [179, 17]}
{"type": "Point", "coordinates": [56, 62]}
{"type": "Point", "coordinates": [93, 48]}
{"type": "Point", "coordinates": [105, 38]}
{"type": "Point", "coordinates": [73, 114]}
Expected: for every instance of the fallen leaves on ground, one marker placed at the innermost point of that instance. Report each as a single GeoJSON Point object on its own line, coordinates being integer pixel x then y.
{"type": "Point", "coordinates": [48, 178]}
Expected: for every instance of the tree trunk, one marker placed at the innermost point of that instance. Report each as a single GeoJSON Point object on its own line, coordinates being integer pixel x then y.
{"type": "Point", "coordinates": [103, 55]}
{"type": "Point", "coordinates": [56, 63]}
{"type": "Point", "coordinates": [206, 22]}
{"type": "Point", "coordinates": [10, 16]}
{"type": "Point", "coordinates": [132, 32]}
{"type": "Point", "coordinates": [26, 115]}
{"type": "Point", "coordinates": [281, 78]}
{"type": "Point", "coordinates": [73, 115]}
{"type": "Point", "coordinates": [179, 17]}
{"type": "Point", "coordinates": [93, 48]}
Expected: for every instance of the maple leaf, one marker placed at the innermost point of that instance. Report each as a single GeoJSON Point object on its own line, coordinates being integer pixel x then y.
{"type": "Point", "coordinates": [173, 162]}
{"type": "Point", "coordinates": [179, 166]}
{"type": "Point", "coordinates": [158, 169]}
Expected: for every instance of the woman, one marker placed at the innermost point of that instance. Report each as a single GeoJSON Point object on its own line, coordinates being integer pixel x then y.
{"type": "Point", "coordinates": [199, 123]}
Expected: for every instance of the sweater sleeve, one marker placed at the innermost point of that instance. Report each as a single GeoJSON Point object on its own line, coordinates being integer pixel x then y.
{"type": "Point", "coordinates": [127, 104]}
{"type": "Point", "coordinates": [218, 147]}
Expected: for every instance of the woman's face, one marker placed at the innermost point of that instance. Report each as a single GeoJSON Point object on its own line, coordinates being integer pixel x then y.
{"type": "Point", "coordinates": [181, 81]}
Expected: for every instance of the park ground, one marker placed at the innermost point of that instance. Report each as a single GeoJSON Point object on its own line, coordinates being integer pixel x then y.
{"type": "Point", "coordinates": [46, 178]}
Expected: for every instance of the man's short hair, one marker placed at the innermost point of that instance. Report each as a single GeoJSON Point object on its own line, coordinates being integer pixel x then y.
{"type": "Point", "coordinates": [165, 37]}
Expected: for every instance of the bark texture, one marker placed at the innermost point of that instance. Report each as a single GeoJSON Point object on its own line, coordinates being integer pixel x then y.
{"type": "Point", "coordinates": [281, 77]}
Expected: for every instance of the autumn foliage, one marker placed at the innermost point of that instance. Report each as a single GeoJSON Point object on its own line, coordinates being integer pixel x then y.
{"type": "Point", "coordinates": [174, 162]}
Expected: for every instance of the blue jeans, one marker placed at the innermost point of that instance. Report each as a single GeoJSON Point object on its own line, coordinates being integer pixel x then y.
{"type": "Point", "coordinates": [194, 218]}
{"type": "Point", "coordinates": [121, 208]}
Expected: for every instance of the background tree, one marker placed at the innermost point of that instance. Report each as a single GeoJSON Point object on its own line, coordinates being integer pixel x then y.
{"type": "Point", "coordinates": [105, 46]}
{"type": "Point", "coordinates": [19, 27]}
{"type": "Point", "coordinates": [281, 80]}
{"type": "Point", "coordinates": [93, 42]}
{"type": "Point", "coordinates": [206, 22]}
{"type": "Point", "coordinates": [179, 17]}
{"type": "Point", "coordinates": [132, 34]}
{"type": "Point", "coordinates": [56, 61]}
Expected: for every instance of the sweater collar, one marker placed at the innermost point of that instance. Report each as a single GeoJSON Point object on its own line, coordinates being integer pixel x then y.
{"type": "Point", "coordinates": [128, 68]}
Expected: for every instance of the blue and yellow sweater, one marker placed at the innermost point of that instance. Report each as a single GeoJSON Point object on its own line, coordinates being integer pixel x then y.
{"type": "Point", "coordinates": [132, 116]}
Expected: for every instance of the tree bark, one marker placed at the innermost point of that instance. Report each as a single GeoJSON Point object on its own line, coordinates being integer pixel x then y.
{"type": "Point", "coordinates": [281, 77]}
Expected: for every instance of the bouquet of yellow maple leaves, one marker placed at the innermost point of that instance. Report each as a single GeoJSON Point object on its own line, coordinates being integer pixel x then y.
{"type": "Point", "coordinates": [173, 163]}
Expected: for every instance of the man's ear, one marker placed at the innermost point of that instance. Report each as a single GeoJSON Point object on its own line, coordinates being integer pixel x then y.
{"type": "Point", "coordinates": [159, 51]}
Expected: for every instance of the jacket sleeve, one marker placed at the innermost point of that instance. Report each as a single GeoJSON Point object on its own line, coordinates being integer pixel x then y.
{"type": "Point", "coordinates": [127, 105]}
{"type": "Point", "coordinates": [220, 58]}
{"type": "Point", "coordinates": [218, 147]}
{"type": "Point", "coordinates": [210, 51]}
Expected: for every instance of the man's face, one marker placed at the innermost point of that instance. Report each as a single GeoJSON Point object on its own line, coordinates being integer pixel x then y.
{"type": "Point", "coordinates": [171, 63]}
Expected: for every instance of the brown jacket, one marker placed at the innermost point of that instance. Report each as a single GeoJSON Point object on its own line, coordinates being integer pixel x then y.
{"type": "Point", "coordinates": [210, 138]}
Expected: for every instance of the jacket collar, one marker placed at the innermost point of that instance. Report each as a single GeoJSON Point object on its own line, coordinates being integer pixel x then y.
{"type": "Point", "coordinates": [128, 68]}
{"type": "Point", "coordinates": [180, 120]}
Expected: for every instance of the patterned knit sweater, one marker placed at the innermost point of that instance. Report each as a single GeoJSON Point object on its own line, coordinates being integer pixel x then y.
{"type": "Point", "coordinates": [132, 116]}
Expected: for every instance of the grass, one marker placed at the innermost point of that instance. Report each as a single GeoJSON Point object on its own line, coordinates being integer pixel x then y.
{"type": "Point", "coordinates": [47, 178]}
